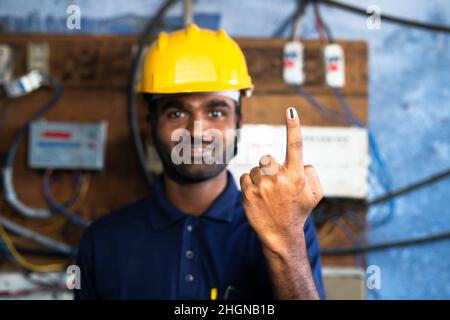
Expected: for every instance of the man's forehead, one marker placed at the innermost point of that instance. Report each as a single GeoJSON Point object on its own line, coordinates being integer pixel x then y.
{"type": "Point", "coordinates": [196, 99]}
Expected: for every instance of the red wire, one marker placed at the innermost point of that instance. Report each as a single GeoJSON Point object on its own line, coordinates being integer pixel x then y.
{"type": "Point", "coordinates": [322, 34]}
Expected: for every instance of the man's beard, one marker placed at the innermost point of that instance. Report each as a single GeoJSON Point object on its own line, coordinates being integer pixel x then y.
{"type": "Point", "coordinates": [190, 173]}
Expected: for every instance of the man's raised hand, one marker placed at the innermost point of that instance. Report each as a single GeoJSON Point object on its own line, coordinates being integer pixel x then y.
{"type": "Point", "coordinates": [278, 198]}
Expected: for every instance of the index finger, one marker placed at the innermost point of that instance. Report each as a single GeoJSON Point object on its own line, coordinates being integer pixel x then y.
{"type": "Point", "coordinates": [294, 143]}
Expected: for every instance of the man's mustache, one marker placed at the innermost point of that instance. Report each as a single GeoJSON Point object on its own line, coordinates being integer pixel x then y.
{"type": "Point", "coordinates": [199, 141]}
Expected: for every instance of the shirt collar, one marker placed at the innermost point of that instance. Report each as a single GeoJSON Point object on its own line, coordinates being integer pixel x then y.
{"type": "Point", "coordinates": [222, 209]}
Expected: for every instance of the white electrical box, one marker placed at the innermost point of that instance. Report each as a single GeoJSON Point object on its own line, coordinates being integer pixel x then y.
{"type": "Point", "coordinates": [293, 72]}
{"type": "Point", "coordinates": [6, 63]}
{"type": "Point", "coordinates": [67, 145]}
{"type": "Point", "coordinates": [344, 283]}
{"type": "Point", "coordinates": [38, 56]}
{"type": "Point", "coordinates": [334, 65]}
{"type": "Point", "coordinates": [339, 154]}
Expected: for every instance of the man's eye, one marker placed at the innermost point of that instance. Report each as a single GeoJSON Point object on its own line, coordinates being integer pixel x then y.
{"type": "Point", "coordinates": [175, 114]}
{"type": "Point", "coordinates": [216, 113]}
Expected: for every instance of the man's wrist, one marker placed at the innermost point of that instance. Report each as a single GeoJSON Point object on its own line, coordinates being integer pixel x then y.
{"type": "Point", "coordinates": [290, 247]}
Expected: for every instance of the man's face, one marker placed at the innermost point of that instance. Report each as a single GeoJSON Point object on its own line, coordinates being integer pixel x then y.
{"type": "Point", "coordinates": [206, 121]}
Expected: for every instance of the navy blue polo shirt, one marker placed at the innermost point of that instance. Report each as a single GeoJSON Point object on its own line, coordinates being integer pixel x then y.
{"type": "Point", "coordinates": [152, 250]}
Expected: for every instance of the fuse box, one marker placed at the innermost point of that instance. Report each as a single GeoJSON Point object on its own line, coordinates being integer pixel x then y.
{"type": "Point", "coordinates": [67, 145]}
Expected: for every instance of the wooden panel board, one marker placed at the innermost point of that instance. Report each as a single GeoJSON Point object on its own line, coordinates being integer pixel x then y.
{"type": "Point", "coordinates": [94, 70]}
{"type": "Point", "coordinates": [269, 109]}
{"type": "Point", "coordinates": [264, 59]}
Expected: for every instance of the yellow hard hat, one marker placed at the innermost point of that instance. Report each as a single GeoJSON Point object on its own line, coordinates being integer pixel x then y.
{"type": "Point", "coordinates": [194, 60]}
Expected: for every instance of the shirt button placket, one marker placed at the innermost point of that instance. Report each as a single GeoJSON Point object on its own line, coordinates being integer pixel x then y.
{"type": "Point", "coordinates": [187, 278]}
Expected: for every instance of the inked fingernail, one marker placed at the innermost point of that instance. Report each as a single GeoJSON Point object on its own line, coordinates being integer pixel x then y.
{"type": "Point", "coordinates": [292, 113]}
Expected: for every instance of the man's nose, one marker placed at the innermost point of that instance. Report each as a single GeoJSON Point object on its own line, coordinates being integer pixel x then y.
{"type": "Point", "coordinates": [196, 126]}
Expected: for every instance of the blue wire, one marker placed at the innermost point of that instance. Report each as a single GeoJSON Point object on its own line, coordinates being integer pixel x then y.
{"type": "Point", "coordinates": [347, 116]}
{"type": "Point", "coordinates": [60, 208]}
{"type": "Point", "coordinates": [23, 130]}
{"type": "Point", "coordinates": [385, 177]}
{"type": "Point", "coordinates": [324, 111]}
{"type": "Point", "coordinates": [9, 160]}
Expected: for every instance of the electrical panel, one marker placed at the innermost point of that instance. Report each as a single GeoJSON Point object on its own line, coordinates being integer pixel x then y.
{"type": "Point", "coordinates": [66, 145]}
{"type": "Point", "coordinates": [339, 154]}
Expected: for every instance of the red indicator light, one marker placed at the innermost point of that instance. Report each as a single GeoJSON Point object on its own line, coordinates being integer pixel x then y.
{"type": "Point", "coordinates": [54, 134]}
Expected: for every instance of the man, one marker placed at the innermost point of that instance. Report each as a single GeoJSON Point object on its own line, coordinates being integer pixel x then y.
{"type": "Point", "coordinates": [196, 236]}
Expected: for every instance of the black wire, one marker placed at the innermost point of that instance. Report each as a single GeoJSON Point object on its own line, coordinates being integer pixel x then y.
{"type": "Point", "coordinates": [389, 18]}
{"type": "Point", "coordinates": [391, 195]}
{"type": "Point", "coordinates": [383, 246]}
{"type": "Point", "coordinates": [282, 28]}
{"type": "Point", "coordinates": [338, 251]}
{"type": "Point", "coordinates": [300, 11]}
{"type": "Point", "coordinates": [412, 187]}
{"type": "Point", "coordinates": [132, 115]}
{"type": "Point", "coordinates": [298, 14]}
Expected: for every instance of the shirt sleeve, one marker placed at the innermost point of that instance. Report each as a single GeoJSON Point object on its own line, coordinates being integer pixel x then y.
{"type": "Point", "coordinates": [313, 251]}
{"type": "Point", "coordinates": [86, 263]}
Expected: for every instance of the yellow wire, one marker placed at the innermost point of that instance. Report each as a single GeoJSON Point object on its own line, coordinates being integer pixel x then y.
{"type": "Point", "coordinates": [60, 221]}
{"type": "Point", "coordinates": [22, 261]}
{"type": "Point", "coordinates": [83, 191]}
{"type": "Point", "coordinates": [17, 240]}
